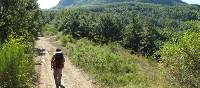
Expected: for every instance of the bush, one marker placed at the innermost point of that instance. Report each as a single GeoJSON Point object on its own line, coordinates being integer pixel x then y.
{"type": "Point", "coordinates": [182, 60]}
{"type": "Point", "coordinates": [66, 39]}
{"type": "Point", "coordinates": [112, 65]}
{"type": "Point", "coordinates": [49, 30]}
{"type": "Point", "coordinates": [16, 64]}
{"type": "Point", "coordinates": [104, 62]}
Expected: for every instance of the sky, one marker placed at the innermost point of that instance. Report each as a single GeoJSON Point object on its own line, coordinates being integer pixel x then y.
{"type": "Point", "coordinates": [46, 4]}
{"type": "Point", "coordinates": [192, 1]}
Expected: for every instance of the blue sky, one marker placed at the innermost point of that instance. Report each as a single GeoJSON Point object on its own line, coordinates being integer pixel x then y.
{"type": "Point", "coordinates": [46, 4]}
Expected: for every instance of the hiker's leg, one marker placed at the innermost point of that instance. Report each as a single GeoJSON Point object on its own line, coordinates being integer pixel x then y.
{"type": "Point", "coordinates": [59, 76]}
{"type": "Point", "coordinates": [55, 73]}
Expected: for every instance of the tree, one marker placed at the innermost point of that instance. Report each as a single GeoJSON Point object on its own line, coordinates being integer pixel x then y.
{"type": "Point", "coordinates": [109, 29]}
{"type": "Point", "coordinates": [20, 18]}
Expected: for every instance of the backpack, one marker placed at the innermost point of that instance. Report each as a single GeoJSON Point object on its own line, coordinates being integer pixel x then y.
{"type": "Point", "coordinates": [58, 61]}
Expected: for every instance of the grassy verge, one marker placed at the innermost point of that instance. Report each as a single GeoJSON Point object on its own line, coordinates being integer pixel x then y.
{"type": "Point", "coordinates": [113, 66]}
{"type": "Point", "coordinates": [16, 64]}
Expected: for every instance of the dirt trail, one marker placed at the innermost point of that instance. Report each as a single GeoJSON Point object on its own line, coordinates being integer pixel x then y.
{"type": "Point", "coordinates": [72, 77]}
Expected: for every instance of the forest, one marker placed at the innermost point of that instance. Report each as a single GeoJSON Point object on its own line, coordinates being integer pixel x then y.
{"type": "Point", "coordinates": [19, 24]}
{"type": "Point", "coordinates": [131, 45]}
{"type": "Point", "coordinates": [98, 38]}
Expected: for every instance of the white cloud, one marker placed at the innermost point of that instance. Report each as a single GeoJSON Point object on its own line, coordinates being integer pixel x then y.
{"type": "Point", "coordinates": [46, 4]}
{"type": "Point", "coordinates": [192, 1]}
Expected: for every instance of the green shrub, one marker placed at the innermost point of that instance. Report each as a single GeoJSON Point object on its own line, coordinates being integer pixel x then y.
{"type": "Point", "coordinates": [49, 30]}
{"type": "Point", "coordinates": [66, 39]}
{"type": "Point", "coordinates": [16, 64]}
{"type": "Point", "coordinates": [182, 60]}
{"type": "Point", "coordinates": [111, 65]}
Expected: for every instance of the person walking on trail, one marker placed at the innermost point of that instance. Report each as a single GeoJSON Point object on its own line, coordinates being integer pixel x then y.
{"type": "Point", "coordinates": [57, 64]}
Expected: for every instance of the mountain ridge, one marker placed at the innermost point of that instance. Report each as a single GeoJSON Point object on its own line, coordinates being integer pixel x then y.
{"type": "Point", "coordinates": [67, 3]}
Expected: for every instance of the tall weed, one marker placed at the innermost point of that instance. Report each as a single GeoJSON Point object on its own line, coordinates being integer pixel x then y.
{"type": "Point", "coordinates": [111, 65]}
{"type": "Point", "coordinates": [16, 64]}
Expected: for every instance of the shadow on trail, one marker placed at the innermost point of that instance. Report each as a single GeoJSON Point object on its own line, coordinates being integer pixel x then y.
{"type": "Point", "coordinates": [40, 52]}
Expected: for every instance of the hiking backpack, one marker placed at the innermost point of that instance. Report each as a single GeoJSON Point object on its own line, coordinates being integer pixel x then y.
{"type": "Point", "coordinates": [58, 61]}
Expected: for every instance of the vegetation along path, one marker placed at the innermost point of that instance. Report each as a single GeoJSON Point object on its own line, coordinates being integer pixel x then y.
{"type": "Point", "coordinates": [72, 77]}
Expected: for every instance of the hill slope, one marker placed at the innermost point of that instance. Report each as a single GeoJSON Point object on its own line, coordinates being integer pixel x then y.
{"type": "Point", "coordinates": [65, 3]}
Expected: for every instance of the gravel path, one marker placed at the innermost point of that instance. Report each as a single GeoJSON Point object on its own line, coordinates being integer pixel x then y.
{"type": "Point", "coordinates": [72, 77]}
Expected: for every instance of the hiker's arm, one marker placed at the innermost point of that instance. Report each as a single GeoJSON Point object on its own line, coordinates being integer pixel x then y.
{"type": "Point", "coordinates": [52, 61]}
{"type": "Point", "coordinates": [63, 59]}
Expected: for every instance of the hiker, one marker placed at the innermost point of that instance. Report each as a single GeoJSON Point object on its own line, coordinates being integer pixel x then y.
{"type": "Point", "coordinates": [57, 64]}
